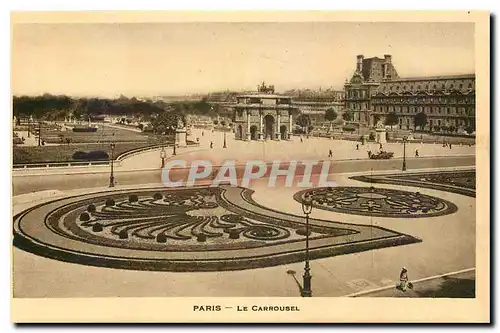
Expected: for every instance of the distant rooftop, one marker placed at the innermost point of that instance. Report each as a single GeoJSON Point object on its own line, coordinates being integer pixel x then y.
{"type": "Point", "coordinates": [437, 77]}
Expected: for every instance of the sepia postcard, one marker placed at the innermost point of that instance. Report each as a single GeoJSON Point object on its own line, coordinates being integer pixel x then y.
{"type": "Point", "coordinates": [250, 167]}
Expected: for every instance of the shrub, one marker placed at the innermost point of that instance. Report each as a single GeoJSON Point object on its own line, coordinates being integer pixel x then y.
{"type": "Point", "coordinates": [84, 217]}
{"type": "Point", "coordinates": [157, 196]}
{"type": "Point", "coordinates": [161, 238]}
{"type": "Point", "coordinates": [201, 238]}
{"type": "Point", "coordinates": [133, 198]}
{"type": "Point", "coordinates": [234, 234]}
{"type": "Point", "coordinates": [97, 227]}
{"type": "Point", "coordinates": [91, 208]}
{"type": "Point", "coordinates": [371, 137]}
{"type": "Point", "coordinates": [110, 202]}
{"type": "Point", "coordinates": [123, 234]}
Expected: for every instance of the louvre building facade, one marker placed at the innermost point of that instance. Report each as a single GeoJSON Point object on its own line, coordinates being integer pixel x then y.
{"type": "Point", "coordinates": [375, 90]}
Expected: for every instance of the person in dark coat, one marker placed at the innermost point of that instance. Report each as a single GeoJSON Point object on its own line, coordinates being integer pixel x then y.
{"type": "Point", "coordinates": [416, 153]}
{"type": "Point", "coordinates": [330, 153]}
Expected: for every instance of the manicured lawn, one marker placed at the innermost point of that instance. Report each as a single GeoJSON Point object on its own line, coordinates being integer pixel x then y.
{"type": "Point", "coordinates": [64, 153]}
{"type": "Point", "coordinates": [103, 134]}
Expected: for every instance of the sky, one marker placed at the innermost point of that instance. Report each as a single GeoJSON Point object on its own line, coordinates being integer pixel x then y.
{"type": "Point", "coordinates": [159, 59]}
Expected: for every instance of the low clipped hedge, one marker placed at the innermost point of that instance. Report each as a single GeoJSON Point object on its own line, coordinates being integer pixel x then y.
{"type": "Point", "coordinates": [84, 217]}
{"type": "Point", "coordinates": [348, 129]}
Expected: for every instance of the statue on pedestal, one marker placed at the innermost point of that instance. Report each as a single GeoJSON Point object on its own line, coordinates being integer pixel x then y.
{"type": "Point", "coordinates": [380, 132]}
{"type": "Point", "coordinates": [180, 123]}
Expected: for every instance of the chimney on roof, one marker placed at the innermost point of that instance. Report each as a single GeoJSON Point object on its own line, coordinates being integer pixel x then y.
{"type": "Point", "coordinates": [359, 63]}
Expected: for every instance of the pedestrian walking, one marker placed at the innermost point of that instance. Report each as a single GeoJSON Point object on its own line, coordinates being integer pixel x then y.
{"type": "Point", "coordinates": [357, 146]}
{"type": "Point", "coordinates": [380, 146]}
{"type": "Point", "coordinates": [450, 145]}
{"type": "Point", "coordinates": [403, 279]}
{"type": "Point", "coordinates": [301, 140]}
{"type": "Point", "coordinates": [211, 144]}
{"type": "Point", "coordinates": [330, 153]}
{"type": "Point", "coordinates": [416, 153]}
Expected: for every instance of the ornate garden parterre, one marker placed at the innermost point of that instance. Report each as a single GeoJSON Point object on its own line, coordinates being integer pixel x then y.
{"type": "Point", "coordinates": [374, 201]}
{"type": "Point", "coordinates": [460, 182]}
{"type": "Point", "coordinates": [190, 229]}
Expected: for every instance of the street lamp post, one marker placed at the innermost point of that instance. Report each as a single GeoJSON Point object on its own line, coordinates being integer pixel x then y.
{"type": "Point", "coordinates": [163, 154]}
{"type": "Point", "coordinates": [404, 153]}
{"type": "Point", "coordinates": [306, 287]}
{"type": "Point", "coordinates": [39, 133]}
{"type": "Point", "coordinates": [111, 176]}
{"type": "Point", "coordinates": [225, 145]}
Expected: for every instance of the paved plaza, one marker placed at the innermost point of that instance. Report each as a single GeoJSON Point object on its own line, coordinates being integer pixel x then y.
{"type": "Point", "coordinates": [312, 148]}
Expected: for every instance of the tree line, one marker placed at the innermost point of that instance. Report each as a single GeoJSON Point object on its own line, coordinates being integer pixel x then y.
{"type": "Point", "coordinates": [52, 107]}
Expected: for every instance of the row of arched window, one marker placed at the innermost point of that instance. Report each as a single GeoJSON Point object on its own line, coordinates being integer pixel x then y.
{"type": "Point", "coordinates": [427, 110]}
{"type": "Point", "coordinates": [419, 87]}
